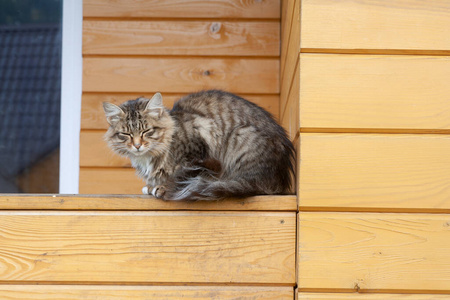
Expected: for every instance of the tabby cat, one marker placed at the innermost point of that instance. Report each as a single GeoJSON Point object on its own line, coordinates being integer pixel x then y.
{"type": "Point", "coordinates": [211, 145]}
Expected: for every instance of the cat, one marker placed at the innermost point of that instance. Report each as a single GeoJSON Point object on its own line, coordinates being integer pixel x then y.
{"type": "Point", "coordinates": [211, 145]}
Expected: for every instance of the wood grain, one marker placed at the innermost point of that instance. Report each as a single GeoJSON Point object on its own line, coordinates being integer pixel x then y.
{"type": "Point", "coordinates": [181, 38]}
{"type": "Point", "coordinates": [288, 62]}
{"type": "Point", "coordinates": [93, 117]}
{"type": "Point", "coordinates": [110, 181]}
{"type": "Point", "coordinates": [148, 247]}
{"type": "Point", "coordinates": [182, 9]}
{"type": "Point", "coordinates": [374, 91]}
{"type": "Point", "coordinates": [94, 151]}
{"type": "Point", "coordinates": [365, 296]}
{"type": "Point", "coordinates": [376, 24]}
{"type": "Point", "coordinates": [142, 203]}
{"type": "Point", "coordinates": [362, 252]}
{"type": "Point", "coordinates": [290, 110]}
{"type": "Point", "coordinates": [290, 30]}
{"type": "Point", "coordinates": [71, 292]}
{"type": "Point", "coordinates": [179, 75]}
{"type": "Point", "coordinates": [397, 172]}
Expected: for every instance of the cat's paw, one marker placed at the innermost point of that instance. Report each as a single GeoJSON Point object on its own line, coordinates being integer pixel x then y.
{"type": "Point", "coordinates": [145, 190]}
{"type": "Point", "coordinates": [159, 191]}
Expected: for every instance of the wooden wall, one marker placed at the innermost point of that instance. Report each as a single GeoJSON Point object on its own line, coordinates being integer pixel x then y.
{"type": "Point", "coordinates": [369, 81]}
{"type": "Point", "coordinates": [135, 48]}
{"type": "Point", "coordinates": [120, 247]}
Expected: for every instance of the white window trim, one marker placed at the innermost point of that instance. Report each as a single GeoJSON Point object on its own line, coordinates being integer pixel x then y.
{"type": "Point", "coordinates": [71, 89]}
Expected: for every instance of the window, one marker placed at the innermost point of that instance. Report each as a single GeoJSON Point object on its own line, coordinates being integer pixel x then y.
{"type": "Point", "coordinates": [30, 95]}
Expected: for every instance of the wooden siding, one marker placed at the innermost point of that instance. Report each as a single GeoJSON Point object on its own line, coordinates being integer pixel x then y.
{"type": "Point", "coordinates": [122, 247]}
{"type": "Point", "coordinates": [368, 82]}
{"type": "Point", "coordinates": [88, 292]}
{"type": "Point", "coordinates": [365, 251]}
{"type": "Point", "coordinates": [136, 48]}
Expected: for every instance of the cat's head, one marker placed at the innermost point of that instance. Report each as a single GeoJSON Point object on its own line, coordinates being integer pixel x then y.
{"type": "Point", "coordinates": [139, 127]}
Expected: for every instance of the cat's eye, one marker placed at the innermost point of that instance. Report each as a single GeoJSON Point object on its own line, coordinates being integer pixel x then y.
{"type": "Point", "coordinates": [123, 135]}
{"type": "Point", "coordinates": [150, 132]}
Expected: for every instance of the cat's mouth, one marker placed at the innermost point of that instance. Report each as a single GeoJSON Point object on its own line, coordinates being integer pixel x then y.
{"type": "Point", "coordinates": [138, 152]}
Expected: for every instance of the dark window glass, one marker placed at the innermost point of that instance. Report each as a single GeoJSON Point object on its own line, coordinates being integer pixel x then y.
{"type": "Point", "coordinates": [30, 88]}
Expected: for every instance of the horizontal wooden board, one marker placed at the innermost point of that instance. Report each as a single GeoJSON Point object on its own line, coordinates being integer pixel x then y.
{"type": "Point", "coordinates": [76, 292]}
{"type": "Point", "coordinates": [374, 91]}
{"type": "Point", "coordinates": [181, 38]}
{"type": "Point", "coordinates": [148, 247]}
{"type": "Point", "coordinates": [94, 151]}
{"type": "Point", "coordinates": [141, 203]}
{"type": "Point", "coordinates": [182, 9]}
{"type": "Point", "coordinates": [397, 172]}
{"type": "Point", "coordinates": [110, 181]}
{"type": "Point", "coordinates": [180, 75]}
{"type": "Point", "coordinates": [93, 117]}
{"type": "Point", "coordinates": [365, 251]}
{"type": "Point", "coordinates": [365, 296]}
{"type": "Point", "coordinates": [381, 24]}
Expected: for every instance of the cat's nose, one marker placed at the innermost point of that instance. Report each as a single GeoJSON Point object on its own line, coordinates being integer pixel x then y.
{"type": "Point", "coordinates": [137, 146]}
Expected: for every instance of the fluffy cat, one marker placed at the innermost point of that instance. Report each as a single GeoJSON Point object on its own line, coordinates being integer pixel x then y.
{"type": "Point", "coordinates": [211, 145]}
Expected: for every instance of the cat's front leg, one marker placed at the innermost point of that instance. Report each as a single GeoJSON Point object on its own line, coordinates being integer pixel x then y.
{"type": "Point", "coordinates": [157, 191]}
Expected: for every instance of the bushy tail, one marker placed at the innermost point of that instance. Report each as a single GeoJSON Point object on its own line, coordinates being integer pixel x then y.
{"type": "Point", "coordinates": [205, 181]}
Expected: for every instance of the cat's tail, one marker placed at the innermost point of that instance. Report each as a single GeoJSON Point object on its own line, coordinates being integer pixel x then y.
{"type": "Point", "coordinates": [205, 181]}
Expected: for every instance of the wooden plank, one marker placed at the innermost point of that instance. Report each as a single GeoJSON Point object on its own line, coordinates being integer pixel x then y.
{"type": "Point", "coordinates": [376, 24]}
{"type": "Point", "coordinates": [76, 292]}
{"type": "Point", "coordinates": [290, 61]}
{"type": "Point", "coordinates": [293, 46]}
{"type": "Point", "coordinates": [94, 151]}
{"type": "Point", "coordinates": [394, 172]}
{"type": "Point", "coordinates": [181, 38]}
{"type": "Point", "coordinates": [374, 91]}
{"type": "Point", "coordinates": [290, 111]}
{"type": "Point", "coordinates": [92, 115]}
{"type": "Point", "coordinates": [142, 203]}
{"type": "Point", "coordinates": [182, 9]}
{"type": "Point", "coordinates": [365, 251]}
{"type": "Point", "coordinates": [148, 247]}
{"type": "Point", "coordinates": [286, 26]}
{"type": "Point", "coordinates": [180, 75]}
{"type": "Point", "coordinates": [365, 296]}
{"type": "Point", "coordinates": [110, 181]}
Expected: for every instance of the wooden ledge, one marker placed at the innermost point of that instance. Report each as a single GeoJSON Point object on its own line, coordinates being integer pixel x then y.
{"type": "Point", "coordinates": [133, 202]}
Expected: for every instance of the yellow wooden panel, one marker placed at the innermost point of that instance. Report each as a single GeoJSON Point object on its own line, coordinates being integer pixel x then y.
{"type": "Point", "coordinates": [93, 117]}
{"type": "Point", "coordinates": [110, 181]}
{"type": "Point", "coordinates": [143, 202]}
{"type": "Point", "coordinates": [150, 247]}
{"type": "Point", "coordinates": [181, 38]}
{"type": "Point", "coordinates": [382, 24]}
{"type": "Point", "coordinates": [94, 151]}
{"type": "Point", "coordinates": [180, 75]}
{"type": "Point", "coordinates": [75, 292]}
{"type": "Point", "coordinates": [365, 251]}
{"type": "Point", "coordinates": [374, 91]}
{"type": "Point", "coordinates": [375, 171]}
{"type": "Point", "coordinates": [288, 20]}
{"type": "Point", "coordinates": [293, 47]}
{"type": "Point", "coordinates": [365, 296]}
{"type": "Point", "coordinates": [290, 111]}
{"type": "Point", "coordinates": [182, 9]}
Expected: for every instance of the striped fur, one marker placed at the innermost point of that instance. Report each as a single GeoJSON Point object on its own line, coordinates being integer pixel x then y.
{"type": "Point", "coordinates": [211, 145]}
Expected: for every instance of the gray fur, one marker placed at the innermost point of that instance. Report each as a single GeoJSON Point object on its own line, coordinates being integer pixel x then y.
{"type": "Point", "coordinates": [211, 145]}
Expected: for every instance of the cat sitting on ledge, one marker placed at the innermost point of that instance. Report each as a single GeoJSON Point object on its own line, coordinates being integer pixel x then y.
{"type": "Point", "coordinates": [211, 145]}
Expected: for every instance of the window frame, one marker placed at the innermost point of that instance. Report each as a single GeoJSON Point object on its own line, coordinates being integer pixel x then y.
{"type": "Point", "coordinates": [71, 92]}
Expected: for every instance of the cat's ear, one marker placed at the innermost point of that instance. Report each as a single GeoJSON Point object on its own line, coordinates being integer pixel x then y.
{"type": "Point", "coordinates": [154, 106]}
{"type": "Point", "coordinates": [113, 112]}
